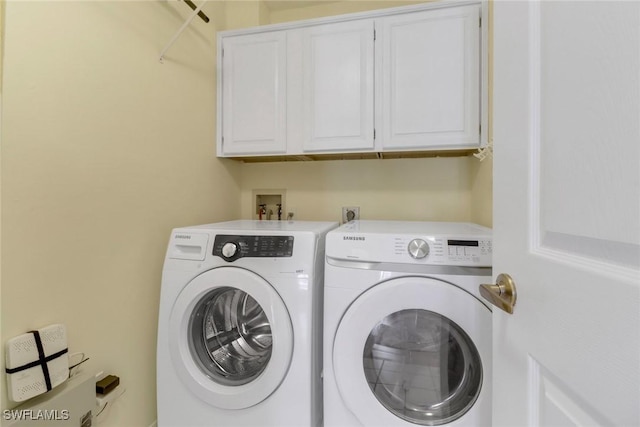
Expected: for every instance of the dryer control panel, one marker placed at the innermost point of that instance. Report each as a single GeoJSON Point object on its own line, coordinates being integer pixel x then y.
{"type": "Point", "coordinates": [442, 250]}
{"type": "Point", "coordinates": [232, 247]}
{"type": "Point", "coordinates": [450, 244]}
{"type": "Point", "coordinates": [468, 250]}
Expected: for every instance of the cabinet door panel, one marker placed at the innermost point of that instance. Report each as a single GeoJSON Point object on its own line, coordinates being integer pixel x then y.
{"type": "Point", "coordinates": [254, 94]}
{"type": "Point", "coordinates": [430, 79]}
{"type": "Point", "coordinates": [338, 86]}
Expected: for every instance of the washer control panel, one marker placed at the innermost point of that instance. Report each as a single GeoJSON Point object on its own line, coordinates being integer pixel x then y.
{"type": "Point", "coordinates": [232, 247]}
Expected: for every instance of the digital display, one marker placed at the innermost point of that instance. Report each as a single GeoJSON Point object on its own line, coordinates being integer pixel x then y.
{"type": "Point", "coordinates": [462, 243]}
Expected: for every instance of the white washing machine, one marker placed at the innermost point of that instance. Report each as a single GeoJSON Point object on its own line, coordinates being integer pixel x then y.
{"type": "Point", "coordinates": [407, 338]}
{"type": "Point", "coordinates": [239, 332]}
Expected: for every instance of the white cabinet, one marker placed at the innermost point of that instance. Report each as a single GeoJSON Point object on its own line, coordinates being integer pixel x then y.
{"type": "Point", "coordinates": [338, 87]}
{"type": "Point", "coordinates": [402, 79]}
{"type": "Point", "coordinates": [254, 94]}
{"type": "Point", "coordinates": [430, 79]}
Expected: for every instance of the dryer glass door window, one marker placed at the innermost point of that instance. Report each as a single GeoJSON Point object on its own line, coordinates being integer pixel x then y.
{"type": "Point", "coordinates": [422, 367]}
{"type": "Point", "coordinates": [230, 336]}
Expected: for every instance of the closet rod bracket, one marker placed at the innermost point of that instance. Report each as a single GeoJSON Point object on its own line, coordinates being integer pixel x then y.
{"type": "Point", "coordinates": [196, 12]}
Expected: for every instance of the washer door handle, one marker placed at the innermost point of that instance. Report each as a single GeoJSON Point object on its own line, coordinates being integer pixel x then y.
{"type": "Point", "coordinates": [502, 294]}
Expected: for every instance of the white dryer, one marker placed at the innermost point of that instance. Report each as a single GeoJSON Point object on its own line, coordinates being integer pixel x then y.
{"type": "Point", "coordinates": [239, 332]}
{"type": "Point", "coordinates": [407, 338]}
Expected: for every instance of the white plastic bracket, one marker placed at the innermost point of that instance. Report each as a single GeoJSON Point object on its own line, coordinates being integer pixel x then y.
{"type": "Point", "coordinates": [182, 28]}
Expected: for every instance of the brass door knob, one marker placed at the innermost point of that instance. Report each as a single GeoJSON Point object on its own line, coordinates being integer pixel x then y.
{"type": "Point", "coordinates": [502, 294]}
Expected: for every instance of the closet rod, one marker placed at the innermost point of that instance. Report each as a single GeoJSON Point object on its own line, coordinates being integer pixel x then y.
{"type": "Point", "coordinates": [184, 26]}
{"type": "Point", "coordinates": [201, 14]}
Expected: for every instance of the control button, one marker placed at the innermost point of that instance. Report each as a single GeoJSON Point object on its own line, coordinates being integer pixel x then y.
{"type": "Point", "coordinates": [229, 249]}
{"type": "Point", "coordinates": [418, 248]}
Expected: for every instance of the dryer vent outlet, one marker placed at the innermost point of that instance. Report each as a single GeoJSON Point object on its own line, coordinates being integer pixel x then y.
{"type": "Point", "coordinates": [350, 213]}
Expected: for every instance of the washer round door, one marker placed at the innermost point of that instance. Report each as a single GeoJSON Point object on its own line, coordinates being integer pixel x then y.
{"type": "Point", "coordinates": [231, 338]}
{"type": "Point", "coordinates": [414, 351]}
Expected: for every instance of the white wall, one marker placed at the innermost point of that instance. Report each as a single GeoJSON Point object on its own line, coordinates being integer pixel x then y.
{"type": "Point", "coordinates": [432, 189]}
{"type": "Point", "coordinates": [330, 8]}
{"type": "Point", "coordinates": [429, 189]}
{"type": "Point", "coordinates": [481, 179]}
{"type": "Point", "coordinates": [104, 150]}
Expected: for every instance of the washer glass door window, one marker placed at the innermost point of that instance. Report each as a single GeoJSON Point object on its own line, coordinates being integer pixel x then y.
{"type": "Point", "coordinates": [422, 367]}
{"type": "Point", "coordinates": [230, 336]}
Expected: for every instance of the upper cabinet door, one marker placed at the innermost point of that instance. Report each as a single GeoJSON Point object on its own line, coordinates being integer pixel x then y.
{"type": "Point", "coordinates": [254, 94]}
{"type": "Point", "coordinates": [430, 82]}
{"type": "Point", "coordinates": [337, 86]}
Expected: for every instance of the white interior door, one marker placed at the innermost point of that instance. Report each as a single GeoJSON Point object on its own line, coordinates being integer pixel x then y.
{"type": "Point", "coordinates": [567, 212]}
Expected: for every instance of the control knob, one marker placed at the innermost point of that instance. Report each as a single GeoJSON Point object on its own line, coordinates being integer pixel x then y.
{"type": "Point", "coordinates": [418, 248]}
{"type": "Point", "coordinates": [229, 250]}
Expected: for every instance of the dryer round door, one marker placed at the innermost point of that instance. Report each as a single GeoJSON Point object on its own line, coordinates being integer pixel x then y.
{"type": "Point", "coordinates": [414, 351]}
{"type": "Point", "coordinates": [231, 338]}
